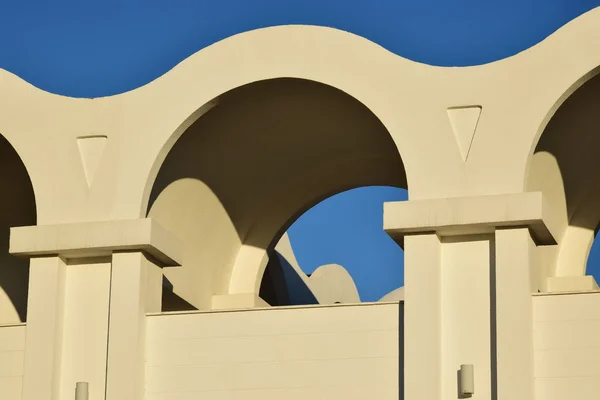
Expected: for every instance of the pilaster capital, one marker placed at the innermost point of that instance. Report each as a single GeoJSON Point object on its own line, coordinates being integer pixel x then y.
{"type": "Point", "coordinates": [471, 216]}
{"type": "Point", "coordinates": [97, 239]}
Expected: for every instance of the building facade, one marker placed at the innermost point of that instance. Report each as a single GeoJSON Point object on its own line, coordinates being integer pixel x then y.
{"type": "Point", "coordinates": [137, 229]}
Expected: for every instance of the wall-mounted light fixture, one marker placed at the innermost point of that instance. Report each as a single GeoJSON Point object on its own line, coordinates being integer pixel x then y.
{"type": "Point", "coordinates": [467, 380]}
{"type": "Point", "coordinates": [82, 391]}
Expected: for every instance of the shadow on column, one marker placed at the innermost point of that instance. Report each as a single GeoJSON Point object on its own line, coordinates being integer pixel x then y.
{"type": "Point", "coordinates": [171, 301]}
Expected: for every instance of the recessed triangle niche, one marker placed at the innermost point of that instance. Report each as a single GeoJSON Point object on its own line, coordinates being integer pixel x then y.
{"type": "Point", "coordinates": [464, 124]}
{"type": "Point", "coordinates": [91, 149]}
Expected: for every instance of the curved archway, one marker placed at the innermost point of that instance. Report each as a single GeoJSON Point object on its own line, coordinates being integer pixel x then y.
{"type": "Point", "coordinates": [18, 208]}
{"type": "Point", "coordinates": [566, 168]}
{"type": "Point", "coordinates": [244, 169]}
{"type": "Point", "coordinates": [574, 87]}
{"type": "Point", "coordinates": [336, 252]}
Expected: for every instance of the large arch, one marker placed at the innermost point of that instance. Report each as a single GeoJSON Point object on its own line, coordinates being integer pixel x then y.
{"type": "Point", "coordinates": [241, 173]}
{"type": "Point", "coordinates": [17, 208]}
{"type": "Point", "coordinates": [553, 71]}
{"type": "Point", "coordinates": [565, 166]}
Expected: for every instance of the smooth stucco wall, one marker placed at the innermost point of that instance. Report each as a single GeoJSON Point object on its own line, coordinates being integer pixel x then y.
{"type": "Point", "coordinates": [335, 352]}
{"type": "Point", "coordinates": [85, 331]}
{"type": "Point", "coordinates": [567, 356]}
{"type": "Point", "coordinates": [465, 310]}
{"type": "Point", "coordinates": [12, 346]}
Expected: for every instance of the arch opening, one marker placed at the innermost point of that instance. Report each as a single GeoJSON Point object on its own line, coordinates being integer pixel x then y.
{"type": "Point", "coordinates": [18, 208]}
{"type": "Point", "coordinates": [565, 166]}
{"type": "Point", "coordinates": [240, 174]}
{"type": "Point", "coordinates": [336, 252]}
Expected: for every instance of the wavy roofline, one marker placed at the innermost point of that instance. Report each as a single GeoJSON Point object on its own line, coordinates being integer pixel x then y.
{"type": "Point", "coordinates": [568, 31]}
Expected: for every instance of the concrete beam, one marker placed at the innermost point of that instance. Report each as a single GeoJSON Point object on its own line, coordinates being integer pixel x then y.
{"type": "Point", "coordinates": [96, 239]}
{"type": "Point", "coordinates": [471, 216]}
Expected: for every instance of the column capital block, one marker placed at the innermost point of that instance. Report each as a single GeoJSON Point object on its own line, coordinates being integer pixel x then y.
{"type": "Point", "coordinates": [471, 216]}
{"type": "Point", "coordinates": [97, 239]}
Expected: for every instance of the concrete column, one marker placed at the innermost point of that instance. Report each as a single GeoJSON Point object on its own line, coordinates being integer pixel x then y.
{"type": "Point", "coordinates": [476, 305]}
{"type": "Point", "coordinates": [516, 264]}
{"type": "Point", "coordinates": [85, 326]}
{"type": "Point", "coordinates": [136, 283]}
{"type": "Point", "coordinates": [43, 343]}
{"type": "Point", "coordinates": [67, 327]}
{"type": "Point", "coordinates": [465, 313]}
{"type": "Point", "coordinates": [86, 316]}
{"type": "Point", "coordinates": [422, 317]}
{"type": "Point", "coordinates": [447, 314]}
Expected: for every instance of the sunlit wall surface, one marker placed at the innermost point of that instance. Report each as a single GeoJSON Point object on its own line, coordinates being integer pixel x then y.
{"type": "Point", "coordinates": [104, 48]}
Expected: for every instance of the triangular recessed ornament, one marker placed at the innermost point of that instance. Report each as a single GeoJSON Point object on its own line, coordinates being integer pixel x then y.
{"type": "Point", "coordinates": [91, 149]}
{"type": "Point", "coordinates": [464, 124]}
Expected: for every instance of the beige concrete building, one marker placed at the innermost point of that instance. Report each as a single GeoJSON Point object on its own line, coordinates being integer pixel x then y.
{"type": "Point", "coordinates": [147, 220]}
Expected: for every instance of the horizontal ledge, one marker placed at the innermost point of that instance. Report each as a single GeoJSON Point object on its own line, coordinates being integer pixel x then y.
{"type": "Point", "coordinates": [558, 284]}
{"type": "Point", "coordinates": [470, 216]}
{"type": "Point", "coordinates": [274, 308]}
{"type": "Point", "coordinates": [238, 301]}
{"type": "Point", "coordinates": [95, 239]}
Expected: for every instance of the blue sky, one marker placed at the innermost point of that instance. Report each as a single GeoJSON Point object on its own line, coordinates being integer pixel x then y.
{"type": "Point", "coordinates": [93, 49]}
{"type": "Point", "coordinates": [98, 48]}
{"type": "Point", "coordinates": [347, 229]}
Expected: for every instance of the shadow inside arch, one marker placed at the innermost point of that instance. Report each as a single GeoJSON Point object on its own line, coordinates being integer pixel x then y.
{"type": "Point", "coordinates": [247, 167]}
{"type": "Point", "coordinates": [17, 208]}
{"type": "Point", "coordinates": [565, 166]}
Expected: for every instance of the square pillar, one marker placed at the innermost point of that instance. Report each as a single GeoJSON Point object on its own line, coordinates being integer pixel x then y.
{"type": "Point", "coordinates": [44, 336]}
{"type": "Point", "coordinates": [85, 326]}
{"type": "Point", "coordinates": [516, 270]}
{"type": "Point", "coordinates": [465, 305]}
{"type": "Point", "coordinates": [134, 282]}
{"type": "Point", "coordinates": [446, 314]}
{"type": "Point", "coordinates": [468, 295]}
{"type": "Point", "coordinates": [91, 285]}
{"type": "Point", "coordinates": [422, 317]}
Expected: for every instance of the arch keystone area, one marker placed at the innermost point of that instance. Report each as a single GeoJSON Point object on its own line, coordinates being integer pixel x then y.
{"type": "Point", "coordinates": [91, 149]}
{"type": "Point", "coordinates": [464, 124]}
